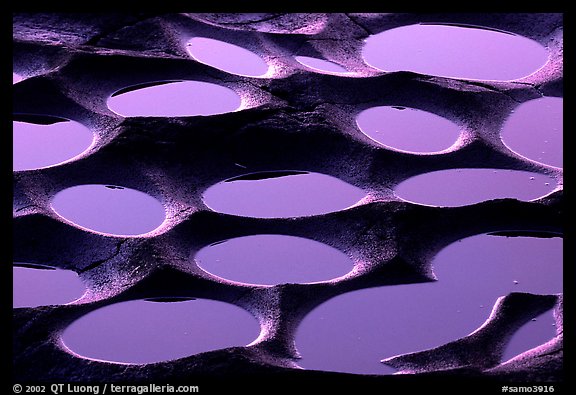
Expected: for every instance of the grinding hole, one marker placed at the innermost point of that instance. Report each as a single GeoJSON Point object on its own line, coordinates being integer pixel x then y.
{"type": "Point", "coordinates": [38, 285]}
{"type": "Point", "coordinates": [535, 130]}
{"type": "Point", "coordinates": [116, 211]}
{"type": "Point", "coordinates": [282, 196]}
{"type": "Point", "coordinates": [227, 57]}
{"type": "Point", "coordinates": [174, 99]}
{"type": "Point", "coordinates": [354, 331]}
{"type": "Point", "coordinates": [273, 259]}
{"type": "Point", "coordinates": [534, 333]}
{"type": "Point", "coordinates": [460, 187]}
{"type": "Point", "coordinates": [408, 129]}
{"type": "Point", "coordinates": [454, 51]}
{"type": "Point", "coordinates": [43, 141]}
{"type": "Point", "coordinates": [145, 331]}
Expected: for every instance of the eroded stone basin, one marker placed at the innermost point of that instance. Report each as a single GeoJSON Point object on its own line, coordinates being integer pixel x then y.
{"type": "Point", "coordinates": [468, 52]}
{"type": "Point", "coordinates": [534, 333]}
{"type": "Point", "coordinates": [460, 187]}
{"type": "Point", "coordinates": [109, 209]}
{"type": "Point", "coordinates": [41, 141]}
{"type": "Point", "coordinates": [227, 57]}
{"type": "Point", "coordinates": [354, 331]}
{"type": "Point", "coordinates": [535, 130]}
{"type": "Point", "coordinates": [145, 331]}
{"type": "Point", "coordinates": [281, 195]}
{"type": "Point", "coordinates": [408, 129]}
{"type": "Point", "coordinates": [273, 259]}
{"type": "Point", "coordinates": [38, 285]}
{"type": "Point", "coordinates": [174, 99]}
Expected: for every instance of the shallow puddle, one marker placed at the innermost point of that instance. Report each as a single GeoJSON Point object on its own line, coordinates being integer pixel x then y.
{"type": "Point", "coordinates": [282, 195]}
{"type": "Point", "coordinates": [533, 334]}
{"type": "Point", "coordinates": [460, 187]}
{"type": "Point", "coordinates": [455, 51]}
{"type": "Point", "coordinates": [273, 259]}
{"type": "Point", "coordinates": [36, 285]}
{"type": "Point", "coordinates": [354, 331]}
{"type": "Point", "coordinates": [174, 99]}
{"type": "Point", "coordinates": [535, 130]}
{"type": "Point", "coordinates": [227, 57]}
{"type": "Point", "coordinates": [109, 209]}
{"type": "Point", "coordinates": [41, 141]}
{"type": "Point", "coordinates": [147, 331]}
{"type": "Point", "coordinates": [408, 129]}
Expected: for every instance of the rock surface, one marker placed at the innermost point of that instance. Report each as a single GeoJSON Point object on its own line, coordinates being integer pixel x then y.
{"type": "Point", "coordinates": [292, 118]}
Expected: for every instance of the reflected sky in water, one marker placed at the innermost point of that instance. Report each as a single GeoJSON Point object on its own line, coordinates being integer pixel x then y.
{"type": "Point", "coordinates": [143, 331]}
{"type": "Point", "coordinates": [175, 99]}
{"type": "Point", "coordinates": [283, 197]}
{"type": "Point", "coordinates": [273, 259]}
{"type": "Point", "coordinates": [354, 331]}
{"type": "Point", "coordinates": [454, 51]}
{"type": "Point", "coordinates": [109, 209]}
{"type": "Point", "coordinates": [43, 286]}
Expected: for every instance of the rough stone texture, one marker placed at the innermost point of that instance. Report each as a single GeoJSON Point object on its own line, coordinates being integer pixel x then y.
{"type": "Point", "coordinates": [291, 119]}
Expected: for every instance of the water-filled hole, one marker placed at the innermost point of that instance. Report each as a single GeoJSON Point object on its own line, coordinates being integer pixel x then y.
{"type": "Point", "coordinates": [354, 331]}
{"type": "Point", "coordinates": [144, 331]}
{"type": "Point", "coordinates": [109, 209]}
{"type": "Point", "coordinates": [408, 129]}
{"type": "Point", "coordinates": [38, 285]}
{"type": "Point", "coordinates": [460, 187]}
{"type": "Point", "coordinates": [40, 141]}
{"type": "Point", "coordinates": [455, 51]}
{"type": "Point", "coordinates": [534, 333]}
{"type": "Point", "coordinates": [273, 259]}
{"type": "Point", "coordinates": [227, 57]}
{"type": "Point", "coordinates": [320, 65]}
{"type": "Point", "coordinates": [282, 195]}
{"type": "Point", "coordinates": [174, 99]}
{"type": "Point", "coordinates": [535, 130]}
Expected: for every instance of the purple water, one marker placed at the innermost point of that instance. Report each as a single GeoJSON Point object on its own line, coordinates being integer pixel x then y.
{"type": "Point", "coordinates": [175, 99]}
{"type": "Point", "coordinates": [535, 130]}
{"type": "Point", "coordinates": [273, 259]}
{"type": "Point", "coordinates": [460, 187]}
{"type": "Point", "coordinates": [227, 57]}
{"type": "Point", "coordinates": [352, 332]}
{"type": "Point", "coordinates": [109, 209]}
{"type": "Point", "coordinates": [534, 333]}
{"type": "Point", "coordinates": [472, 273]}
{"type": "Point", "coordinates": [321, 65]}
{"type": "Point", "coordinates": [408, 129]}
{"type": "Point", "coordinates": [453, 51]}
{"type": "Point", "coordinates": [36, 285]}
{"type": "Point", "coordinates": [50, 144]}
{"type": "Point", "coordinates": [282, 196]}
{"type": "Point", "coordinates": [142, 331]}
